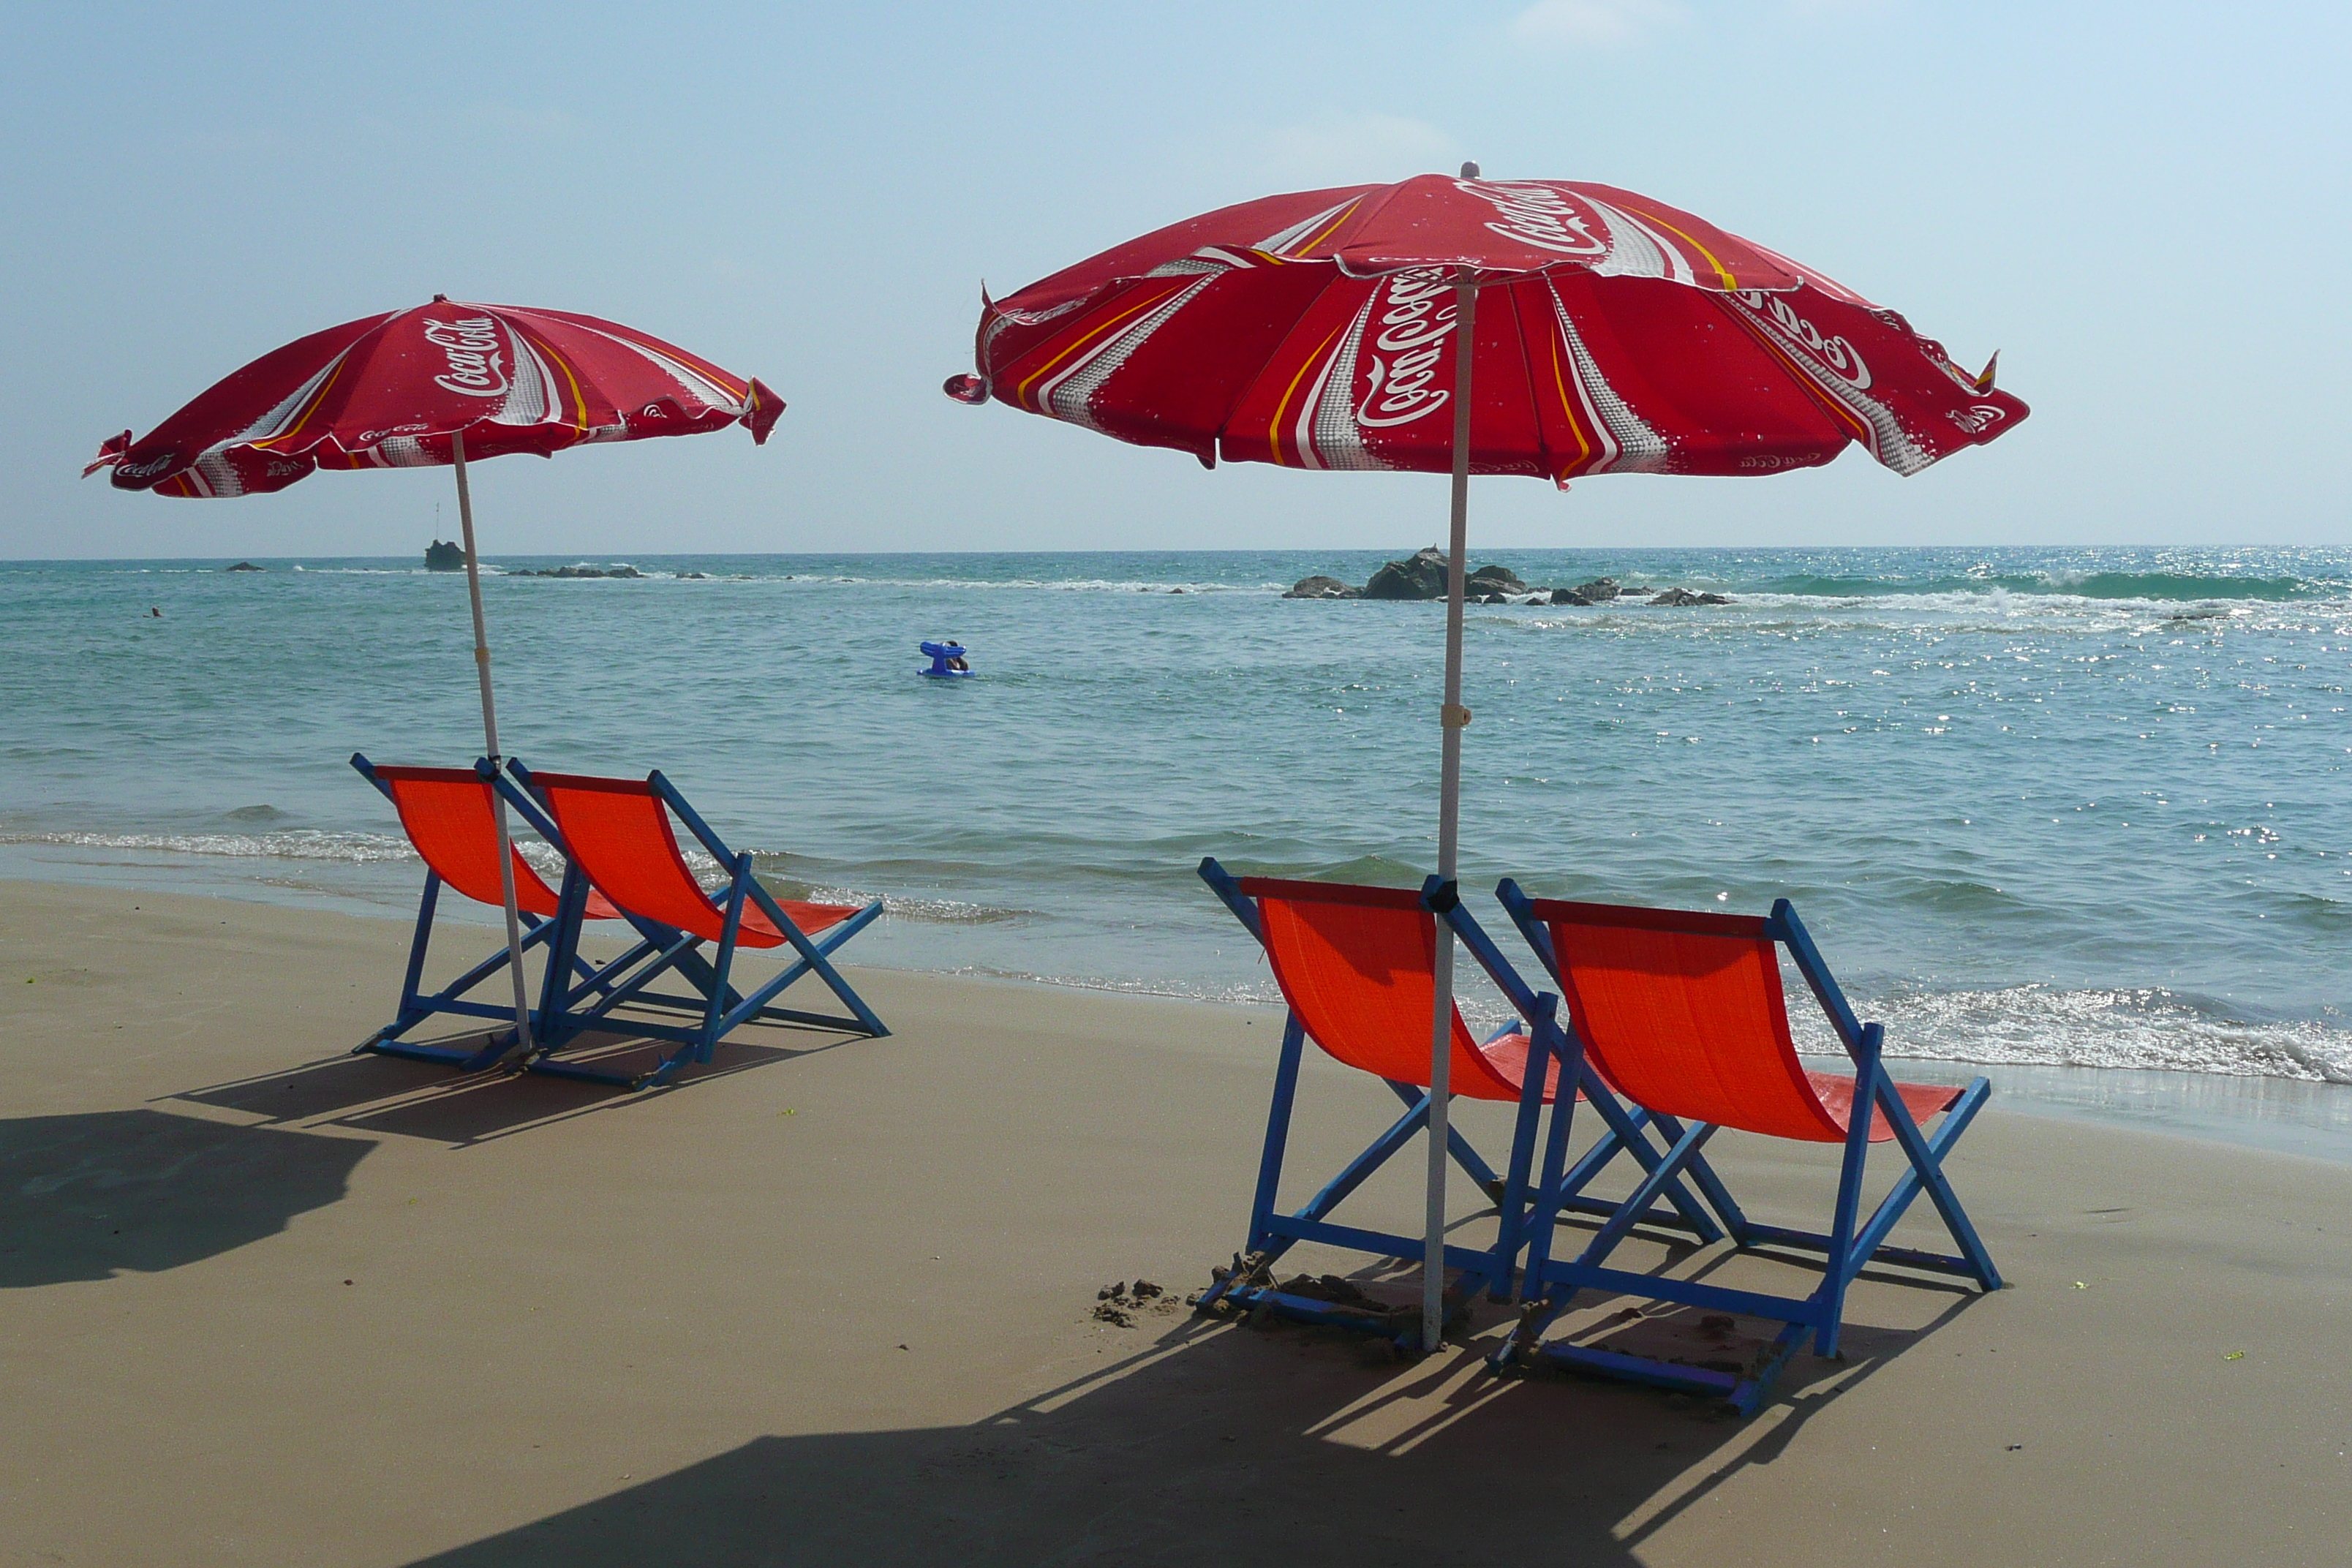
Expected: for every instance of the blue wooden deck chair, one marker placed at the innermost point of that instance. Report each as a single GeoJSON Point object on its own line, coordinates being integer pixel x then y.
{"type": "Point", "coordinates": [446, 814]}
{"type": "Point", "coordinates": [1356, 966]}
{"type": "Point", "coordinates": [617, 832]}
{"type": "Point", "coordinates": [1683, 1011]}
{"type": "Point", "coordinates": [1622, 1125]}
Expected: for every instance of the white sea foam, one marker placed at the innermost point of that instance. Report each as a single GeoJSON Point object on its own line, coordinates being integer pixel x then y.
{"type": "Point", "coordinates": [2041, 1025]}
{"type": "Point", "coordinates": [300, 844]}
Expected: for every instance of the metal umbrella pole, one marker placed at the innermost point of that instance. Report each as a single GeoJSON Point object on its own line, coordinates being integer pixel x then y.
{"type": "Point", "coordinates": [490, 739]}
{"type": "Point", "coordinates": [1451, 718]}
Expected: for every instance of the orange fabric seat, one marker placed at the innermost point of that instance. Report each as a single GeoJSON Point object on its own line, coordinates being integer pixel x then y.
{"type": "Point", "coordinates": [618, 830]}
{"type": "Point", "coordinates": [448, 815]}
{"type": "Point", "coordinates": [1359, 967]}
{"type": "Point", "coordinates": [1683, 1012]}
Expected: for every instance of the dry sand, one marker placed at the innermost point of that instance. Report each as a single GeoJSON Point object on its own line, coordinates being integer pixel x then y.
{"type": "Point", "coordinates": [262, 1302]}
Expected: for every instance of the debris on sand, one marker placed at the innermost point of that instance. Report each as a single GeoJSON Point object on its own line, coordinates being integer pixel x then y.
{"type": "Point", "coordinates": [1118, 1317]}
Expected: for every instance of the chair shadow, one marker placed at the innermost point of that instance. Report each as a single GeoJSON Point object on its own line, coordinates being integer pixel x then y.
{"type": "Point", "coordinates": [1217, 1441]}
{"type": "Point", "coordinates": [420, 1100]}
{"type": "Point", "coordinates": [91, 1196]}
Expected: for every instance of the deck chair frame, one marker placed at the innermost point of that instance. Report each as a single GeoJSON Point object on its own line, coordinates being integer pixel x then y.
{"type": "Point", "coordinates": [1625, 1125]}
{"type": "Point", "coordinates": [415, 1005]}
{"type": "Point", "coordinates": [1272, 1232]}
{"type": "Point", "coordinates": [664, 949]}
{"type": "Point", "coordinates": [1851, 1244]}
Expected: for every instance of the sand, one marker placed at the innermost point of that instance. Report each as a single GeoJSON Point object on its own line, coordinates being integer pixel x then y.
{"type": "Point", "coordinates": [834, 1301]}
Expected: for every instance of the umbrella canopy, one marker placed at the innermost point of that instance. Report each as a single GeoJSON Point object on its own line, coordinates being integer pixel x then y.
{"type": "Point", "coordinates": [398, 390]}
{"type": "Point", "coordinates": [1614, 334]}
{"type": "Point", "coordinates": [429, 385]}
{"type": "Point", "coordinates": [1609, 333]}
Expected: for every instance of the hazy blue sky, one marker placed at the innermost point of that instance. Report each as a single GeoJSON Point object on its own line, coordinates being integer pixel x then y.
{"type": "Point", "coordinates": [2144, 206]}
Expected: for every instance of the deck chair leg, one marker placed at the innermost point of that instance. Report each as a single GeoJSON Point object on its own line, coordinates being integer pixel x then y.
{"type": "Point", "coordinates": [1926, 1171]}
{"type": "Point", "coordinates": [424, 938]}
{"type": "Point", "coordinates": [1473, 1164]}
{"type": "Point", "coordinates": [813, 953]}
{"type": "Point", "coordinates": [406, 1013]}
{"type": "Point", "coordinates": [725, 963]}
{"type": "Point", "coordinates": [1840, 1265]}
{"type": "Point", "coordinates": [1603, 1101]}
{"type": "Point", "coordinates": [1510, 1229]}
{"type": "Point", "coordinates": [1549, 1182]}
{"type": "Point", "coordinates": [756, 1004]}
{"type": "Point", "coordinates": [1658, 1181]}
{"type": "Point", "coordinates": [669, 958]}
{"type": "Point", "coordinates": [1710, 1186]}
{"type": "Point", "coordinates": [1270, 1157]}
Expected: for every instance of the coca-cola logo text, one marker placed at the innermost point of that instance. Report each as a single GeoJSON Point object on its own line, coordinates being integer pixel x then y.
{"type": "Point", "coordinates": [1836, 354]}
{"type": "Point", "coordinates": [1537, 215]}
{"type": "Point", "coordinates": [1415, 319]}
{"type": "Point", "coordinates": [477, 360]}
{"type": "Point", "coordinates": [148, 470]}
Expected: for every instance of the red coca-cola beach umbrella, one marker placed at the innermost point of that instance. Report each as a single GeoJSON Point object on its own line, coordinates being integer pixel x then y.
{"type": "Point", "coordinates": [1610, 334]}
{"type": "Point", "coordinates": [434, 385]}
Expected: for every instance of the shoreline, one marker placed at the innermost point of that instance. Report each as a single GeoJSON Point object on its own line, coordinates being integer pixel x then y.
{"type": "Point", "coordinates": [264, 1302]}
{"type": "Point", "coordinates": [2281, 1115]}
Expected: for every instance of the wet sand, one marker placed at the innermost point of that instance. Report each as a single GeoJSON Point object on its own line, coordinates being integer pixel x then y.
{"type": "Point", "coordinates": [833, 1300]}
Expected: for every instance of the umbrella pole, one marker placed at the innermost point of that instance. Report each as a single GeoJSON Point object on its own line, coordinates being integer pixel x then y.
{"type": "Point", "coordinates": [1452, 717]}
{"type": "Point", "coordinates": [490, 739]}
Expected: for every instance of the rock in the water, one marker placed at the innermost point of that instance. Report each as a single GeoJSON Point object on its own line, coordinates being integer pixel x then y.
{"type": "Point", "coordinates": [1420, 577]}
{"type": "Point", "coordinates": [1679, 596]}
{"type": "Point", "coordinates": [693, 576]}
{"type": "Point", "coordinates": [1493, 579]}
{"type": "Point", "coordinates": [444, 556]}
{"type": "Point", "coordinates": [242, 566]}
{"type": "Point", "coordinates": [1568, 596]}
{"type": "Point", "coordinates": [1599, 591]}
{"type": "Point", "coordinates": [1636, 593]}
{"type": "Point", "coordinates": [1322, 588]}
{"type": "Point", "coordinates": [1486, 599]}
{"type": "Point", "coordinates": [584, 572]}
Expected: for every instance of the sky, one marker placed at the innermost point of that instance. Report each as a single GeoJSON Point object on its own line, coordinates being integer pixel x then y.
{"type": "Point", "coordinates": [2142, 206]}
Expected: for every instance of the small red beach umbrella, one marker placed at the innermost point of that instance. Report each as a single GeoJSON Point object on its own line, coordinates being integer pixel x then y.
{"type": "Point", "coordinates": [1611, 334]}
{"type": "Point", "coordinates": [434, 385]}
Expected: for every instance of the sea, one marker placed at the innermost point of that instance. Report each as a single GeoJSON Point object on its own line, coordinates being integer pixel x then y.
{"type": "Point", "coordinates": [2079, 817]}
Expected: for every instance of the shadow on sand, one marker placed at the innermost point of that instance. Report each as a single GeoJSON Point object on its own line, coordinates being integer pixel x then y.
{"type": "Point", "coordinates": [87, 1196]}
{"type": "Point", "coordinates": [418, 1100]}
{"type": "Point", "coordinates": [1219, 1442]}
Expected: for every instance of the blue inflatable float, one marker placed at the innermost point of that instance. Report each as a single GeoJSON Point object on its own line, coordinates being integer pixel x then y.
{"type": "Point", "coordinates": [946, 661]}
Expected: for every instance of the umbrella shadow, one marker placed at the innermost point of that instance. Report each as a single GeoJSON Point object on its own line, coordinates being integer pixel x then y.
{"type": "Point", "coordinates": [1216, 1440]}
{"type": "Point", "coordinates": [418, 1100]}
{"type": "Point", "coordinates": [90, 1196]}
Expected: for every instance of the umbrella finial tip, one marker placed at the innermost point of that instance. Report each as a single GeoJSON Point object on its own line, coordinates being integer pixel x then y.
{"type": "Point", "coordinates": [440, 299]}
{"type": "Point", "coordinates": [1469, 170]}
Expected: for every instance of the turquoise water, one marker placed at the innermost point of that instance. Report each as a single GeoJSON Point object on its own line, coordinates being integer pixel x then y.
{"type": "Point", "coordinates": [2040, 807]}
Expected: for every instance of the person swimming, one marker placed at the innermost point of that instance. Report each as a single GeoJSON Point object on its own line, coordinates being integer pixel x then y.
{"type": "Point", "coordinates": [947, 659]}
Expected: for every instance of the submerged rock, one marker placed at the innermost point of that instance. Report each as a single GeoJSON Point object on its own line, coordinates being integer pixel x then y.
{"type": "Point", "coordinates": [1679, 596]}
{"type": "Point", "coordinates": [1322, 588]}
{"type": "Point", "coordinates": [584, 572]}
{"type": "Point", "coordinates": [243, 567]}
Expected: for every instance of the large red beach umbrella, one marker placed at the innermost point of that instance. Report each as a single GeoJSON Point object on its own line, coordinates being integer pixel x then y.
{"type": "Point", "coordinates": [433, 384]}
{"type": "Point", "coordinates": [1611, 334]}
